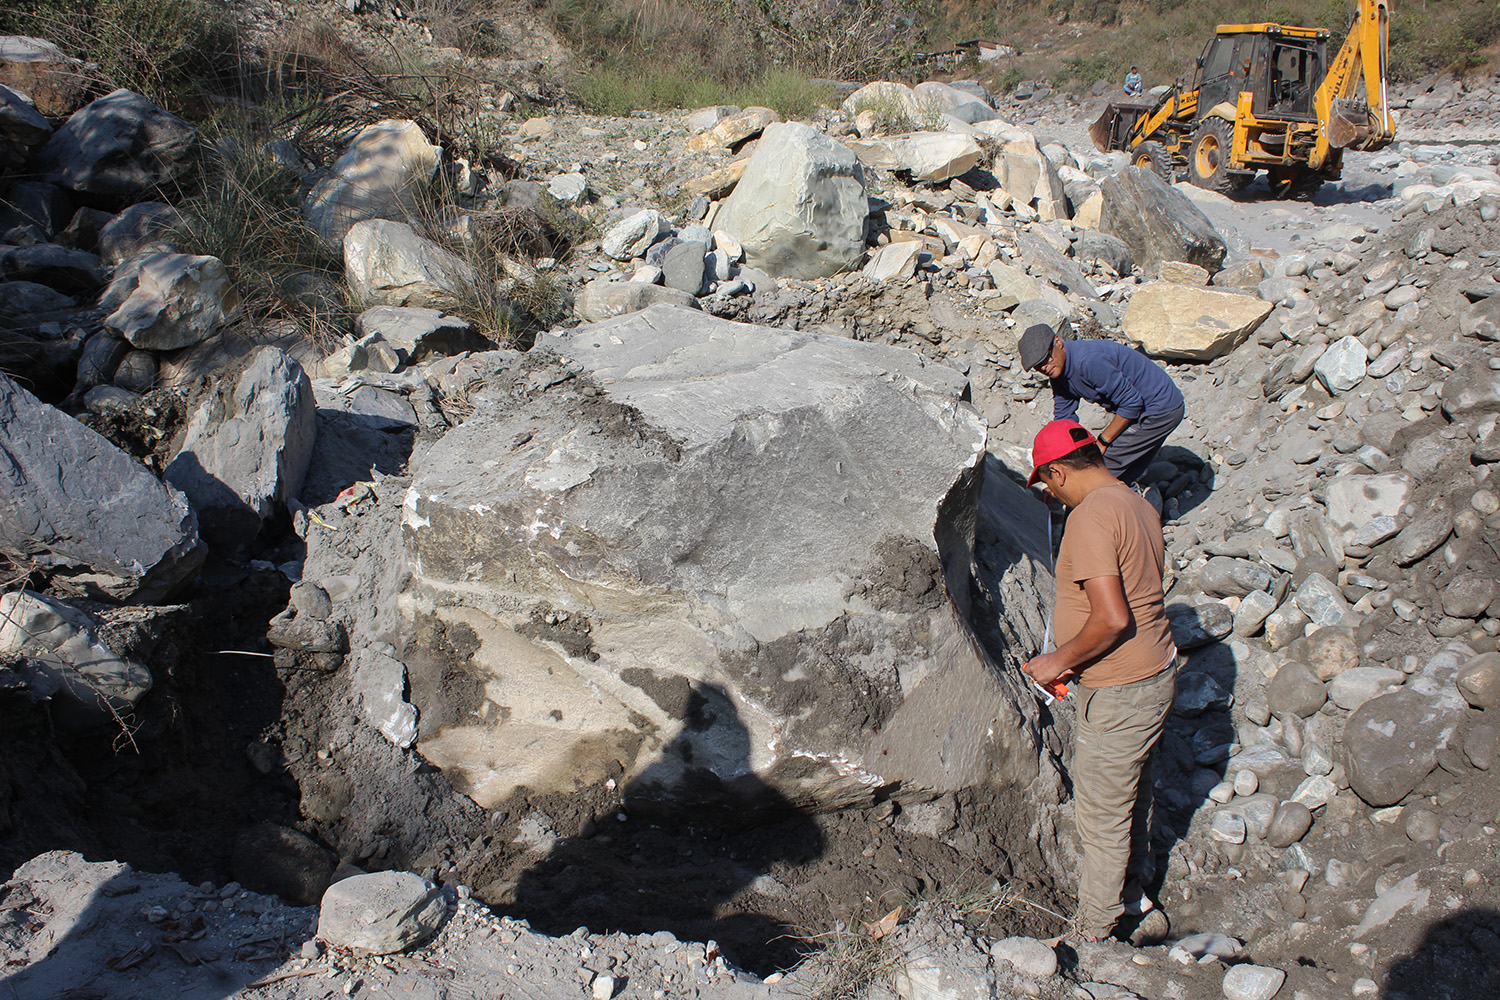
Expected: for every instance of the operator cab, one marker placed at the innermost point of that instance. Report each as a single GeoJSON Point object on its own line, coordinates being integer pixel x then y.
{"type": "Point", "coordinates": [1281, 66]}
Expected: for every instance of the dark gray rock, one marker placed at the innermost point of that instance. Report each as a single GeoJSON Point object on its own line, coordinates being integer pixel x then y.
{"type": "Point", "coordinates": [137, 371]}
{"type": "Point", "coordinates": [145, 225]}
{"type": "Point", "coordinates": [1226, 577]}
{"type": "Point", "coordinates": [73, 502]}
{"type": "Point", "coordinates": [1472, 389]}
{"type": "Point", "coordinates": [1157, 222]}
{"type": "Point", "coordinates": [82, 231]}
{"type": "Point", "coordinates": [101, 356]}
{"type": "Point", "coordinates": [1111, 250]}
{"type": "Point", "coordinates": [22, 130]}
{"type": "Point", "coordinates": [246, 448]}
{"type": "Point", "coordinates": [1467, 595]}
{"type": "Point", "coordinates": [1481, 744]}
{"type": "Point", "coordinates": [1296, 690]}
{"type": "Point", "coordinates": [1198, 623]}
{"type": "Point", "coordinates": [69, 271]}
{"type": "Point", "coordinates": [36, 209]}
{"type": "Point", "coordinates": [118, 146]}
{"type": "Point", "coordinates": [682, 266]}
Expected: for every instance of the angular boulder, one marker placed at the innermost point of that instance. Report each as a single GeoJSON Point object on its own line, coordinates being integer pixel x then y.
{"type": "Point", "coordinates": [380, 913]}
{"type": "Point", "coordinates": [1026, 173]}
{"type": "Point", "coordinates": [420, 333]}
{"type": "Point", "coordinates": [634, 235]}
{"type": "Point", "coordinates": [179, 300]}
{"type": "Point", "coordinates": [246, 447]}
{"type": "Point", "coordinates": [927, 156]}
{"type": "Point", "coordinates": [141, 226]}
{"type": "Point", "coordinates": [117, 147]}
{"type": "Point", "coordinates": [388, 263]}
{"type": "Point", "coordinates": [800, 210]}
{"type": "Point", "coordinates": [378, 176]}
{"type": "Point", "coordinates": [734, 130]}
{"type": "Point", "coordinates": [1191, 324]}
{"type": "Point", "coordinates": [74, 503]}
{"type": "Point", "coordinates": [1158, 222]}
{"type": "Point", "coordinates": [604, 299]}
{"type": "Point", "coordinates": [65, 659]}
{"type": "Point", "coordinates": [726, 561]}
{"type": "Point", "coordinates": [1392, 742]}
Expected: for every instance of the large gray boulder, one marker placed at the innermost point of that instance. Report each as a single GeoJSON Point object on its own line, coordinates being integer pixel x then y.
{"type": "Point", "coordinates": [379, 176]}
{"type": "Point", "coordinates": [389, 263]}
{"type": "Point", "coordinates": [22, 129]}
{"type": "Point", "coordinates": [246, 447]}
{"type": "Point", "coordinates": [118, 146]}
{"type": "Point", "coordinates": [73, 503]}
{"type": "Point", "coordinates": [1158, 222]}
{"type": "Point", "coordinates": [800, 209]}
{"type": "Point", "coordinates": [1191, 324]}
{"type": "Point", "coordinates": [1392, 742]}
{"type": "Point", "coordinates": [66, 660]}
{"type": "Point", "coordinates": [719, 560]}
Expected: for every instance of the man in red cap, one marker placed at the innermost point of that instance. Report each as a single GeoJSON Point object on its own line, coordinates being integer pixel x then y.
{"type": "Point", "coordinates": [1114, 641]}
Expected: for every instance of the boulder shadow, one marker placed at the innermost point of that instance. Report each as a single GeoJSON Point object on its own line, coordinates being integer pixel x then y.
{"type": "Point", "coordinates": [695, 850]}
{"type": "Point", "coordinates": [1190, 485]}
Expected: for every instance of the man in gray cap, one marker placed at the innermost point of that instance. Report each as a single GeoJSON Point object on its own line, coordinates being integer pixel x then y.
{"type": "Point", "coordinates": [1144, 403]}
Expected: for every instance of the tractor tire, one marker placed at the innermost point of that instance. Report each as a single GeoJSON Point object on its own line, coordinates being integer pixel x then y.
{"type": "Point", "coordinates": [1154, 156]}
{"type": "Point", "coordinates": [1209, 156]}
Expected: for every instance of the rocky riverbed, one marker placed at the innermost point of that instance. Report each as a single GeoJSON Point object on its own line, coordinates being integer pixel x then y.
{"type": "Point", "coordinates": [671, 650]}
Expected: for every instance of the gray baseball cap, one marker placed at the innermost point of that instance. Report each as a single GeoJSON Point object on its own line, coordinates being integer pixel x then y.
{"type": "Point", "coordinates": [1035, 345]}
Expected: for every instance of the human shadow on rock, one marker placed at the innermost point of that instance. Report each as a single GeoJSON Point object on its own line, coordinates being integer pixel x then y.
{"type": "Point", "coordinates": [1458, 959]}
{"type": "Point", "coordinates": [688, 852]}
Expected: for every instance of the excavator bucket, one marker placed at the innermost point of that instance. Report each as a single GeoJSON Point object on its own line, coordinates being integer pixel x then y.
{"type": "Point", "coordinates": [1112, 130]}
{"type": "Point", "coordinates": [1351, 125]}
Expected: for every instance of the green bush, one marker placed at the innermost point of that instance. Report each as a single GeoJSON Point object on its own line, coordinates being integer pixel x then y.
{"type": "Point", "coordinates": [616, 88]}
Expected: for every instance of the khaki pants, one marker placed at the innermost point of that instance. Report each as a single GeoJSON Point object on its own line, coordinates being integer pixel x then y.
{"type": "Point", "coordinates": [1118, 730]}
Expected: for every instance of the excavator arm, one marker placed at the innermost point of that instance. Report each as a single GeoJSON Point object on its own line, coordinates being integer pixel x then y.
{"type": "Point", "coordinates": [1348, 122]}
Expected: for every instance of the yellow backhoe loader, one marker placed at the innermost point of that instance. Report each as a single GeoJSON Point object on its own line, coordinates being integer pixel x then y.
{"type": "Point", "coordinates": [1265, 97]}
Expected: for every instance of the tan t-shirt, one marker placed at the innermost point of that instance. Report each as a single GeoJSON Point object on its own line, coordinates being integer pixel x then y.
{"type": "Point", "coordinates": [1114, 532]}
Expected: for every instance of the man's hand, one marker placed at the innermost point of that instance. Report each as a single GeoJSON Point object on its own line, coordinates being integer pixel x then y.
{"type": "Point", "coordinates": [1047, 667]}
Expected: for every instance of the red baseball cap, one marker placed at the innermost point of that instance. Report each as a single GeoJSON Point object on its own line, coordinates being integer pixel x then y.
{"type": "Point", "coordinates": [1059, 438]}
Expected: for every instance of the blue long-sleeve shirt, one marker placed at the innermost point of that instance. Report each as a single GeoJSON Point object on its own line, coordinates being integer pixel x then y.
{"type": "Point", "coordinates": [1124, 382]}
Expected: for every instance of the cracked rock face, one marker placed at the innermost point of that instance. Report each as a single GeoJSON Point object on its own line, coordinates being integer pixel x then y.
{"type": "Point", "coordinates": [706, 559]}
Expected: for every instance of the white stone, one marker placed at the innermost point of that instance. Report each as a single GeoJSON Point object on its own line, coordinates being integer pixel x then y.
{"type": "Point", "coordinates": [1355, 501]}
{"type": "Point", "coordinates": [1228, 827]}
{"type": "Point", "coordinates": [570, 189]}
{"type": "Point", "coordinates": [894, 261]}
{"type": "Point", "coordinates": [1315, 791]}
{"type": "Point", "coordinates": [1342, 366]}
{"type": "Point", "coordinates": [1357, 685]}
{"type": "Point", "coordinates": [927, 156]}
{"type": "Point", "coordinates": [1246, 782]}
{"type": "Point", "coordinates": [633, 236]}
{"type": "Point", "coordinates": [379, 176]}
{"type": "Point", "coordinates": [1030, 957]}
{"type": "Point", "coordinates": [1252, 982]}
{"type": "Point", "coordinates": [63, 658]}
{"type": "Point", "coordinates": [388, 263]}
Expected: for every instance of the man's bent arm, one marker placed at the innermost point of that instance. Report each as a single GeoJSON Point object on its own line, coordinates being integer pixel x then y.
{"type": "Point", "coordinates": [1109, 617]}
{"type": "Point", "coordinates": [1114, 430]}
